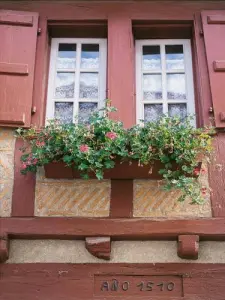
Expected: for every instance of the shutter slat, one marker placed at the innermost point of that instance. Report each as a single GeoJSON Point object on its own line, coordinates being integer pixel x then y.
{"type": "Point", "coordinates": [18, 32]}
{"type": "Point", "coordinates": [219, 65]}
{"type": "Point", "coordinates": [8, 68]}
{"type": "Point", "coordinates": [12, 118]}
{"type": "Point", "coordinates": [15, 19]}
{"type": "Point", "coordinates": [214, 36]}
{"type": "Point", "coordinates": [216, 19]}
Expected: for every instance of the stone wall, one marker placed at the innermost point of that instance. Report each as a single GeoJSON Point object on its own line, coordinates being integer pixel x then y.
{"type": "Point", "coordinates": [7, 145]}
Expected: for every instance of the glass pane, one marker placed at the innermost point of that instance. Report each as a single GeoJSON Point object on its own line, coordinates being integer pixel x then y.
{"type": "Point", "coordinates": [66, 56]}
{"type": "Point", "coordinates": [85, 110]}
{"type": "Point", "coordinates": [89, 56]}
{"type": "Point", "coordinates": [174, 57]}
{"type": "Point", "coordinates": [151, 58]}
{"type": "Point", "coordinates": [64, 85]}
{"type": "Point", "coordinates": [152, 87]}
{"type": "Point", "coordinates": [176, 86]}
{"type": "Point", "coordinates": [152, 112]}
{"type": "Point", "coordinates": [89, 85]}
{"type": "Point", "coordinates": [64, 111]}
{"type": "Point", "coordinates": [179, 110]}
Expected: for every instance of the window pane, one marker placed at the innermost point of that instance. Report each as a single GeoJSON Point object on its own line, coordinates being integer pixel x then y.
{"type": "Point", "coordinates": [151, 58]}
{"type": "Point", "coordinates": [174, 57]}
{"type": "Point", "coordinates": [179, 110]}
{"type": "Point", "coordinates": [176, 86]}
{"type": "Point", "coordinates": [66, 56]}
{"type": "Point", "coordinates": [85, 110]}
{"type": "Point", "coordinates": [89, 85]}
{"type": "Point", "coordinates": [152, 112]}
{"type": "Point", "coordinates": [64, 85]}
{"type": "Point", "coordinates": [152, 87]}
{"type": "Point", "coordinates": [90, 56]}
{"type": "Point", "coordinates": [64, 111]}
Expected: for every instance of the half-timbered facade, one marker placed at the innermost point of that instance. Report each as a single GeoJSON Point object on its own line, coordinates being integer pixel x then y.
{"type": "Point", "coordinates": [119, 237]}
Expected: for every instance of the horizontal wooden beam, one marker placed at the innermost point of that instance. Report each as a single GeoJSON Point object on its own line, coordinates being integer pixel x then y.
{"type": "Point", "coordinates": [117, 229]}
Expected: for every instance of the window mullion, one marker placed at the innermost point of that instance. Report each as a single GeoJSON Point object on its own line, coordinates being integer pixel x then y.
{"type": "Point", "coordinates": [77, 81]}
{"type": "Point", "coordinates": [164, 85]}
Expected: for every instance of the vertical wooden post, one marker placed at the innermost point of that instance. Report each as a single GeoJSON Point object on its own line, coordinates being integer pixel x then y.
{"type": "Point", "coordinates": [121, 202]}
{"type": "Point", "coordinates": [23, 189]}
{"type": "Point", "coordinates": [121, 66]}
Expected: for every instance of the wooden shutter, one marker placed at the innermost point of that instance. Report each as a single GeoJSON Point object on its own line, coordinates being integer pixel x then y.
{"type": "Point", "coordinates": [18, 36]}
{"type": "Point", "coordinates": [214, 36]}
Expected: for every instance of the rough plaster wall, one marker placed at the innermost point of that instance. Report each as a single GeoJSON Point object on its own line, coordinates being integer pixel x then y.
{"type": "Point", "coordinates": [7, 145]}
{"type": "Point", "coordinates": [47, 251]}
{"type": "Point", "coordinates": [83, 198]}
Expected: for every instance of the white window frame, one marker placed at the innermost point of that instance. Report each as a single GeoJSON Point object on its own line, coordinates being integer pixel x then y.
{"type": "Point", "coordinates": [50, 110]}
{"type": "Point", "coordinates": [188, 71]}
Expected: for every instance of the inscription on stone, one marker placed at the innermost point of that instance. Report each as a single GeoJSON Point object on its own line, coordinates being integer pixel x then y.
{"type": "Point", "coordinates": [154, 285]}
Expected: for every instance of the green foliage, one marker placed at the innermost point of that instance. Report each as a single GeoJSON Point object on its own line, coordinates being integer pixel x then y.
{"type": "Point", "coordinates": [94, 148]}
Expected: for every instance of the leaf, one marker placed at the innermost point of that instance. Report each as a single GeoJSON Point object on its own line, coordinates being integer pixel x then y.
{"type": "Point", "coordinates": [83, 166]}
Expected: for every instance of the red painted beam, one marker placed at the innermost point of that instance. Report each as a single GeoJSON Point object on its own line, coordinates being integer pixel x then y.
{"type": "Point", "coordinates": [117, 229]}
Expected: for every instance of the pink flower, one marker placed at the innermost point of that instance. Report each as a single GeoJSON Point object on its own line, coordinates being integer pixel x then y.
{"type": "Point", "coordinates": [84, 148]}
{"type": "Point", "coordinates": [35, 161]}
{"type": "Point", "coordinates": [204, 191]}
{"type": "Point", "coordinates": [111, 135]}
{"type": "Point", "coordinates": [24, 165]}
{"type": "Point", "coordinates": [40, 144]}
{"type": "Point", "coordinates": [196, 172]}
{"type": "Point", "coordinates": [203, 171]}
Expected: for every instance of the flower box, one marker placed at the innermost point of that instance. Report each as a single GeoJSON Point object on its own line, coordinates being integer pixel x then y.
{"type": "Point", "coordinates": [124, 170]}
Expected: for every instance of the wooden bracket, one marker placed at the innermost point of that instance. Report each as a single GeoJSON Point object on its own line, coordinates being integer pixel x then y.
{"type": "Point", "coordinates": [188, 246]}
{"type": "Point", "coordinates": [99, 247]}
{"type": "Point", "coordinates": [4, 248]}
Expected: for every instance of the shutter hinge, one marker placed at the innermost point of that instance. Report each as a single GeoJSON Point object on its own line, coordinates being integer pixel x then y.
{"type": "Point", "coordinates": [211, 109]}
{"type": "Point", "coordinates": [39, 31]}
{"type": "Point", "coordinates": [201, 32]}
{"type": "Point", "coordinates": [33, 110]}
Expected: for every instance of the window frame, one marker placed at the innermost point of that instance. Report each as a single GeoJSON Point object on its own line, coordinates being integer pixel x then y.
{"type": "Point", "coordinates": [188, 71]}
{"type": "Point", "coordinates": [102, 71]}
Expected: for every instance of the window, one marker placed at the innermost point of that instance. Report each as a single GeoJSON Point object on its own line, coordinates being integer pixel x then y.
{"type": "Point", "coordinates": [77, 78]}
{"type": "Point", "coordinates": [164, 79]}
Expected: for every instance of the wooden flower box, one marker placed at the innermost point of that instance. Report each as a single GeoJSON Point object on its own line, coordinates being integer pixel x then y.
{"type": "Point", "coordinates": [125, 170]}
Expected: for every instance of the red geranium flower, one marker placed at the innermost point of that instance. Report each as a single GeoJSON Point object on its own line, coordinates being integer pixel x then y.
{"type": "Point", "coordinates": [84, 148]}
{"type": "Point", "coordinates": [111, 135]}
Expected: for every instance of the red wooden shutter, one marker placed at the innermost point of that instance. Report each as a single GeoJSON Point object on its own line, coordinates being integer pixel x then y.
{"type": "Point", "coordinates": [18, 36]}
{"type": "Point", "coordinates": [214, 35]}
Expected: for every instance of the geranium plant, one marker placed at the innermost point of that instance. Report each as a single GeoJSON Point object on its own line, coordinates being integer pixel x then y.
{"type": "Point", "coordinates": [95, 147]}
